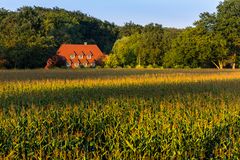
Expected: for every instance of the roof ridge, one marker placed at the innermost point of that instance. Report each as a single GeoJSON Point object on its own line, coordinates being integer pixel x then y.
{"type": "Point", "coordinates": [80, 44]}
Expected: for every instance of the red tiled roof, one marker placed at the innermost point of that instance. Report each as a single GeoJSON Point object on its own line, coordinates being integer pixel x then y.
{"type": "Point", "coordinates": [76, 50]}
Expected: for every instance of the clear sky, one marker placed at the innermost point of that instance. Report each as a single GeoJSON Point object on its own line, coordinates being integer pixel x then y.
{"type": "Point", "coordinates": [169, 13]}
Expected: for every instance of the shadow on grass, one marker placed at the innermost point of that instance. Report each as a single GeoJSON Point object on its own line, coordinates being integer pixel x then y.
{"type": "Point", "coordinates": [26, 75]}
{"type": "Point", "coordinates": [75, 95]}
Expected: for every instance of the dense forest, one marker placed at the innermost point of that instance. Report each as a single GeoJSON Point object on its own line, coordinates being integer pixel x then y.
{"type": "Point", "coordinates": [30, 35]}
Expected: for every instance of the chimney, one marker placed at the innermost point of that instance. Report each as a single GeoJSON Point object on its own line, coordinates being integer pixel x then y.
{"type": "Point", "coordinates": [85, 43]}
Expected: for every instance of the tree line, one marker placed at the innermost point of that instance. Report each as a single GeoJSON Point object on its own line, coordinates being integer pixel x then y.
{"type": "Point", "coordinates": [30, 35]}
{"type": "Point", "coordinates": [140, 46]}
{"type": "Point", "coordinates": [214, 41]}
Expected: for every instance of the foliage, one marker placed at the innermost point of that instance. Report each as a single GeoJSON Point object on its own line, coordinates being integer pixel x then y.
{"type": "Point", "coordinates": [152, 44]}
{"type": "Point", "coordinates": [228, 23]}
{"type": "Point", "coordinates": [215, 39]}
{"type": "Point", "coordinates": [183, 50]}
{"type": "Point", "coordinates": [126, 50]}
{"type": "Point", "coordinates": [129, 29]}
{"type": "Point", "coordinates": [112, 61]}
{"type": "Point", "coordinates": [194, 49]}
{"type": "Point", "coordinates": [30, 36]}
{"type": "Point", "coordinates": [144, 49]}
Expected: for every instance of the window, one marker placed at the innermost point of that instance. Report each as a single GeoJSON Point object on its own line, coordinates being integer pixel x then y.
{"type": "Point", "coordinates": [85, 64]}
{"type": "Point", "coordinates": [76, 65]}
{"type": "Point", "coordinates": [93, 64]}
{"type": "Point", "coordinates": [68, 64]}
{"type": "Point", "coordinates": [89, 56]}
{"type": "Point", "coordinates": [80, 56]}
{"type": "Point", "coordinates": [72, 56]}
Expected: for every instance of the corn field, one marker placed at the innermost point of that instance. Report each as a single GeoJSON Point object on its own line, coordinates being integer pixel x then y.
{"type": "Point", "coordinates": [120, 114]}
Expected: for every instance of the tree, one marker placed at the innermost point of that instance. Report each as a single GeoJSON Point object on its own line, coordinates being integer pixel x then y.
{"type": "Point", "coordinates": [228, 25]}
{"type": "Point", "coordinates": [31, 35]}
{"type": "Point", "coordinates": [195, 49]}
{"type": "Point", "coordinates": [169, 35]}
{"type": "Point", "coordinates": [152, 44]}
{"type": "Point", "coordinates": [141, 49]}
{"type": "Point", "coordinates": [215, 39]}
{"type": "Point", "coordinates": [126, 49]}
{"type": "Point", "coordinates": [184, 51]}
{"type": "Point", "coordinates": [218, 51]}
{"type": "Point", "coordinates": [112, 61]}
{"type": "Point", "coordinates": [129, 29]}
{"type": "Point", "coordinates": [224, 29]}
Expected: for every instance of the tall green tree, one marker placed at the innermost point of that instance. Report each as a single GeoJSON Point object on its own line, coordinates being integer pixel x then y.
{"type": "Point", "coordinates": [145, 48]}
{"type": "Point", "coordinates": [127, 50]}
{"type": "Point", "coordinates": [129, 29]}
{"type": "Point", "coordinates": [215, 39]}
{"type": "Point", "coordinates": [183, 52]}
{"type": "Point", "coordinates": [152, 44]}
{"type": "Point", "coordinates": [224, 24]}
{"type": "Point", "coordinates": [228, 25]}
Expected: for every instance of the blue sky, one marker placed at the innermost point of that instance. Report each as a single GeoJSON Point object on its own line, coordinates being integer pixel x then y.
{"type": "Point", "coordinates": [169, 13]}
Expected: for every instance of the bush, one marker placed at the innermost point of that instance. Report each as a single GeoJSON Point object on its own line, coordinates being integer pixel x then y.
{"type": "Point", "coordinates": [139, 66]}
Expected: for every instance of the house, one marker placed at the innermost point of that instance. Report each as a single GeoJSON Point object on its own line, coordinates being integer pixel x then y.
{"type": "Point", "coordinates": [79, 55]}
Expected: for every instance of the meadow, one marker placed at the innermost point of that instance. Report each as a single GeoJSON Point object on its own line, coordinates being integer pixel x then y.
{"type": "Point", "coordinates": [120, 114]}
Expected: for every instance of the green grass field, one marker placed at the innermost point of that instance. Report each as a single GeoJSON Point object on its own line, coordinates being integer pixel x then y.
{"type": "Point", "coordinates": [120, 114]}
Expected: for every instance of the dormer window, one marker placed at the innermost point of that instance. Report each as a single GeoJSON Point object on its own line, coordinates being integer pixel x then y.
{"type": "Point", "coordinates": [68, 64]}
{"type": "Point", "coordinates": [80, 56]}
{"type": "Point", "coordinates": [89, 56]}
{"type": "Point", "coordinates": [72, 56]}
{"type": "Point", "coordinates": [76, 65]}
{"type": "Point", "coordinates": [85, 64]}
{"type": "Point", "coordinates": [93, 64]}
